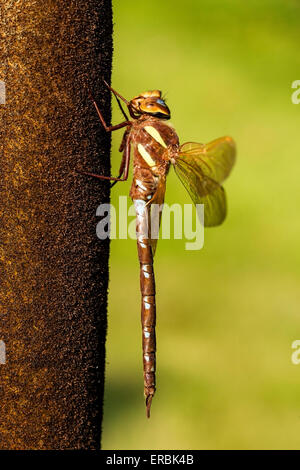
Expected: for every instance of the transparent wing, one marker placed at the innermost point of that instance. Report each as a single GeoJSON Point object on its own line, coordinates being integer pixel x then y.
{"type": "Point", "coordinates": [215, 159]}
{"type": "Point", "coordinates": [203, 190]}
{"type": "Point", "coordinates": [201, 168]}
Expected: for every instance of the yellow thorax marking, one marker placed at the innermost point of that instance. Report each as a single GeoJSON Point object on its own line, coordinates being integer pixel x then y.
{"type": "Point", "coordinates": [156, 135]}
{"type": "Point", "coordinates": [146, 156]}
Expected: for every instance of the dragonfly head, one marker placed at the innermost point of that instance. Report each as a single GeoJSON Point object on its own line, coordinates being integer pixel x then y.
{"type": "Point", "coordinates": [151, 103]}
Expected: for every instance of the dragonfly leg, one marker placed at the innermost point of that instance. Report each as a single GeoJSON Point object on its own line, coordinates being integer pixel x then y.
{"type": "Point", "coordinates": [106, 127]}
{"type": "Point", "coordinates": [125, 154]}
{"type": "Point", "coordinates": [100, 177]}
{"type": "Point", "coordinates": [124, 169]}
{"type": "Point", "coordinates": [124, 140]}
{"type": "Point", "coordinates": [118, 101]}
{"type": "Point", "coordinates": [121, 170]}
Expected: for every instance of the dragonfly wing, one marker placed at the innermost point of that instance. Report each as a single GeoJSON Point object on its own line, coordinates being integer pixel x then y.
{"type": "Point", "coordinates": [215, 159]}
{"type": "Point", "coordinates": [203, 190]}
{"type": "Point", "coordinates": [201, 168]}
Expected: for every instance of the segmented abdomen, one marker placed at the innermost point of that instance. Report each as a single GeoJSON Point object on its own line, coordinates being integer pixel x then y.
{"type": "Point", "coordinates": [148, 310]}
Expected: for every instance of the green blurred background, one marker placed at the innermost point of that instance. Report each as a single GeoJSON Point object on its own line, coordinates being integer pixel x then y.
{"type": "Point", "coordinates": [228, 314]}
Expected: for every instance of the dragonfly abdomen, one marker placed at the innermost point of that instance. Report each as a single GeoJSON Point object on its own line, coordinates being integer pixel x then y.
{"type": "Point", "coordinates": [148, 309]}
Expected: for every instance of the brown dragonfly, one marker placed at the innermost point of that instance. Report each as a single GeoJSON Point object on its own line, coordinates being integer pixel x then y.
{"type": "Point", "coordinates": [201, 168]}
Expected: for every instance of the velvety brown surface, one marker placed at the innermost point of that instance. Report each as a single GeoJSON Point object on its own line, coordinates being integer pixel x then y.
{"type": "Point", "coordinates": [54, 271]}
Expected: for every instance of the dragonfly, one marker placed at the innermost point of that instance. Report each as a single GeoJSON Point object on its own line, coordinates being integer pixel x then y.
{"type": "Point", "coordinates": [202, 168]}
